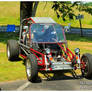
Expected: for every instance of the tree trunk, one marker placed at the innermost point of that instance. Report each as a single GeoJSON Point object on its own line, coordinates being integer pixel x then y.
{"type": "Point", "coordinates": [25, 9]}
{"type": "Point", "coordinates": [34, 9]}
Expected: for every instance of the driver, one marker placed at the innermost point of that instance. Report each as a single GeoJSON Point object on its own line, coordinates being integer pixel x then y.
{"type": "Point", "coordinates": [25, 34]}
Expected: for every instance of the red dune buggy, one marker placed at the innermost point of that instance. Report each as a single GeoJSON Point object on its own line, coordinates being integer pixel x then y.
{"type": "Point", "coordinates": [42, 44]}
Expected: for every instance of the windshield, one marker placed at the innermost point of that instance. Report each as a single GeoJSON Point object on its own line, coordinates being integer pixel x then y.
{"type": "Point", "coordinates": [46, 33]}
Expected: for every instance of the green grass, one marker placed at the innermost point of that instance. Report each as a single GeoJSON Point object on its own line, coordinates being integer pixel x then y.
{"type": "Point", "coordinates": [75, 41]}
{"type": "Point", "coordinates": [9, 13]}
{"type": "Point", "coordinates": [6, 36]}
{"type": "Point", "coordinates": [77, 37]}
{"type": "Point", "coordinates": [10, 70]}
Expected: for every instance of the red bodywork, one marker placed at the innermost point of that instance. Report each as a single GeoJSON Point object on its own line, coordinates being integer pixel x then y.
{"type": "Point", "coordinates": [41, 59]}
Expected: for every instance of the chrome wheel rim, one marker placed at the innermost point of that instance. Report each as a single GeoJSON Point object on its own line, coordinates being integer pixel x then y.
{"type": "Point", "coordinates": [8, 52]}
{"type": "Point", "coordinates": [28, 67]}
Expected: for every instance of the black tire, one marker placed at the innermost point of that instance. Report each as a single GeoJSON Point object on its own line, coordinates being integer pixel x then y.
{"type": "Point", "coordinates": [31, 68]}
{"type": "Point", "coordinates": [12, 50]}
{"type": "Point", "coordinates": [87, 59]}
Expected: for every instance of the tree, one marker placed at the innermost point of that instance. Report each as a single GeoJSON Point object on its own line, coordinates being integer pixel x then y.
{"type": "Point", "coordinates": [34, 8]}
{"type": "Point", "coordinates": [27, 9]}
{"type": "Point", "coordinates": [62, 8]}
{"type": "Point", "coordinates": [88, 4]}
{"type": "Point", "coordinates": [66, 8]}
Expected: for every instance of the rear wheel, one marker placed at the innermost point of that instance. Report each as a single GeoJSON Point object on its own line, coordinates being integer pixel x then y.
{"type": "Point", "coordinates": [12, 50]}
{"type": "Point", "coordinates": [86, 68]}
{"type": "Point", "coordinates": [31, 68]}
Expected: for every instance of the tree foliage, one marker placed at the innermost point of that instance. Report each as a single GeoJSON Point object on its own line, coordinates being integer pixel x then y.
{"type": "Point", "coordinates": [66, 8]}
{"type": "Point", "coordinates": [88, 4]}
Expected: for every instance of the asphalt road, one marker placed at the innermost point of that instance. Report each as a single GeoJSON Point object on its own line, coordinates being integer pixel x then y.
{"type": "Point", "coordinates": [65, 83]}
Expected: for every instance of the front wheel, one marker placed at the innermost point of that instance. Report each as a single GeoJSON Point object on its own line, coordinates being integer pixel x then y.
{"type": "Point", "coordinates": [86, 68]}
{"type": "Point", "coordinates": [31, 68]}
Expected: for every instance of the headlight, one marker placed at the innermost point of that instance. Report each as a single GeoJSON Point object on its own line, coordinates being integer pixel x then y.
{"type": "Point", "coordinates": [47, 50]}
{"type": "Point", "coordinates": [77, 50]}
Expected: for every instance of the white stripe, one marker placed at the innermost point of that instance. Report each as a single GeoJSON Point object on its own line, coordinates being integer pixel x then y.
{"type": "Point", "coordinates": [23, 86]}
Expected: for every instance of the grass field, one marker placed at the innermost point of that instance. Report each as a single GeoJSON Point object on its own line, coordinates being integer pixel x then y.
{"type": "Point", "coordinates": [10, 14]}
{"type": "Point", "coordinates": [9, 70]}
{"type": "Point", "coordinates": [44, 10]}
{"type": "Point", "coordinates": [84, 43]}
{"type": "Point", "coordinates": [16, 70]}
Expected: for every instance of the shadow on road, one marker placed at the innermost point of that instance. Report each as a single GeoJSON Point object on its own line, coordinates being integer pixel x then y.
{"type": "Point", "coordinates": [62, 76]}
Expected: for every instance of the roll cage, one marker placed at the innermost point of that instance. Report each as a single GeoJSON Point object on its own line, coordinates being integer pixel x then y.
{"type": "Point", "coordinates": [41, 57]}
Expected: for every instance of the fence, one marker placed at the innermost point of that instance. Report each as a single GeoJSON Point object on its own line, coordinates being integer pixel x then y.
{"type": "Point", "coordinates": [4, 28]}
{"type": "Point", "coordinates": [86, 32]}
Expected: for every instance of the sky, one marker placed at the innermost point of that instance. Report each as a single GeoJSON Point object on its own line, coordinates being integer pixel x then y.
{"type": "Point", "coordinates": [85, 1]}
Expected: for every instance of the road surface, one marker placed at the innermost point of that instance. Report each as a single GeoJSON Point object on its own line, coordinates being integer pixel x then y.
{"type": "Point", "coordinates": [65, 83]}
